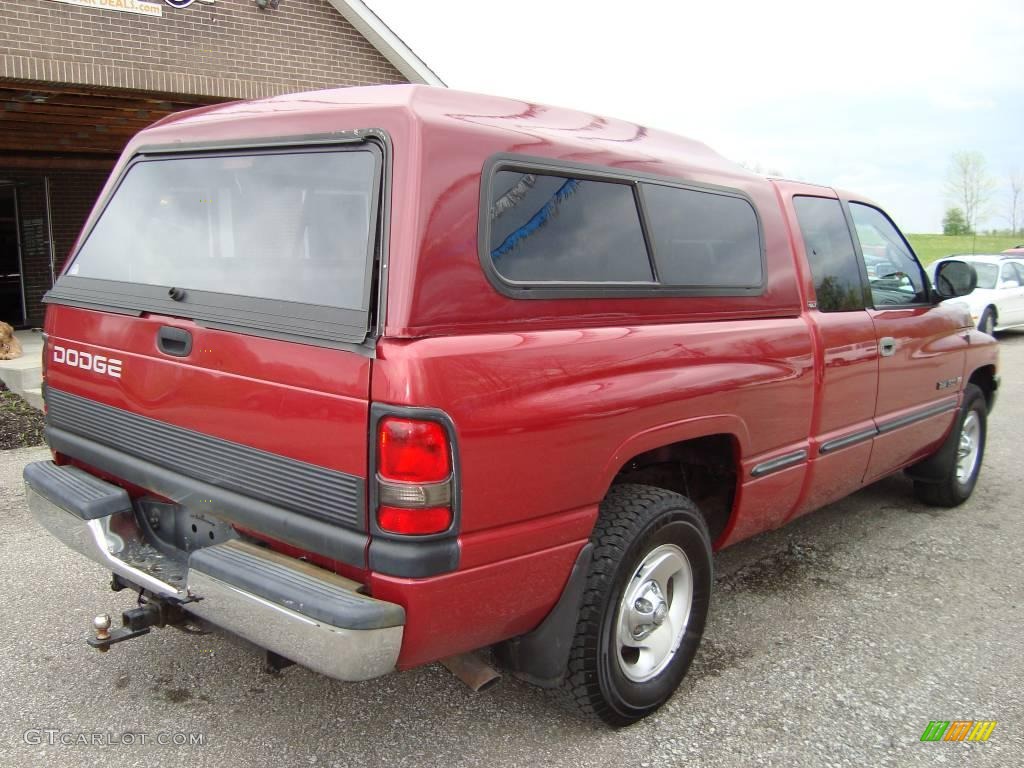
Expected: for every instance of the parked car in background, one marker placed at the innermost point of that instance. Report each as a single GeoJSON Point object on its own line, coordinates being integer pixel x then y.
{"type": "Point", "coordinates": [877, 266]}
{"type": "Point", "coordinates": [998, 301]}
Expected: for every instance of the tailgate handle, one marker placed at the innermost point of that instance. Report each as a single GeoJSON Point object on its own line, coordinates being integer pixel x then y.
{"type": "Point", "coordinates": [174, 341]}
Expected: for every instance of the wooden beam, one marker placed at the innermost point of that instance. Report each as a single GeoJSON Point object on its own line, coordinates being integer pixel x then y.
{"type": "Point", "coordinates": [10, 141]}
{"type": "Point", "coordinates": [28, 108]}
{"type": "Point", "coordinates": [55, 162]}
{"type": "Point", "coordinates": [109, 123]}
{"type": "Point", "coordinates": [119, 97]}
{"type": "Point", "coordinates": [98, 103]}
{"type": "Point", "coordinates": [70, 128]}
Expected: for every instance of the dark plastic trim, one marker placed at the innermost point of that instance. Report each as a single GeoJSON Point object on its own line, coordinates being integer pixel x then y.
{"type": "Point", "coordinates": [267, 317]}
{"type": "Point", "coordinates": [591, 290]}
{"type": "Point", "coordinates": [306, 489]}
{"type": "Point", "coordinates": [845, 441]}
{"type": "Point", "coordinates": [318, 597]}
{"type": "Point", "coordinates": [414, 556]}
{"type": "Point", "coordinates": [381, 268]}
{"type": "Point", "coordinates": [780, 463]}
{"type": "Point", "coordinates": [927, 412]}
{"type": "Point", "coordinates": [173, 341]}
{"type": "Point", "coordinates": [308, 533]}
{"type": "Point", "coordinates": [413, 559]}
{"type": "Point", "coordinates": [76, 491]}
{"type": "Point", "coordinates": [293, 141]}
{"type": "Point", "coordinates": [541, 656]}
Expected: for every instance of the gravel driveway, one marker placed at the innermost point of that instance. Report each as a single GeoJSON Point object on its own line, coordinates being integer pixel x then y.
{"type": "Point", "coordinates": [831, 642]}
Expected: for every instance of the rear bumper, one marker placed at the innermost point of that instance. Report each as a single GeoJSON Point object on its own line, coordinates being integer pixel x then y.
{"type": "Point", "coordinates": [303, 613]}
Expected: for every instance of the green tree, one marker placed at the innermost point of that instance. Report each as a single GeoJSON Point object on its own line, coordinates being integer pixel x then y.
{"type": "Point", "coordinates": [955, 223]}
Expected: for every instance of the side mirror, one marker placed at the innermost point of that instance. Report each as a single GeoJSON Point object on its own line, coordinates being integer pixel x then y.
{"type": "Point", "coordinates": [955, 278]}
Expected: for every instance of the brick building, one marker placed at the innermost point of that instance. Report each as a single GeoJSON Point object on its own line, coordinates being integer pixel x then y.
{"type": "Point", "coordinates": [79, 77]}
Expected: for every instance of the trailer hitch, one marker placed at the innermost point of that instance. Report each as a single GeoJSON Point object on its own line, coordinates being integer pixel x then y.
{"type": "Point", "coordinates": [136, 622]}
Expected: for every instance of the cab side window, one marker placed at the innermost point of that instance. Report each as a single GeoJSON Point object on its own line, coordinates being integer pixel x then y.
{"type": "Point", "coordinates": [894, 273]}
{"type": "Point", "coordinates": [834, 265]}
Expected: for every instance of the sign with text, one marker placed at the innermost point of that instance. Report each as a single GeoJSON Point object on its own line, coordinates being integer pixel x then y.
{"type": "Point", "coordinates": [128, 6]}
{"type": "Point", "coordinates": [142, 7]}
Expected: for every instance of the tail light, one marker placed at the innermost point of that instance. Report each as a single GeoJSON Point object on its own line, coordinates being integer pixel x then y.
{"type": "Point", "coordinates": [414, 477]}
{"type": "Point", "coordinates": [413, 451]}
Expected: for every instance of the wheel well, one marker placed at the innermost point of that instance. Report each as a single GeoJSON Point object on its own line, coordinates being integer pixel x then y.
{"type": "Point", "coordinates": [985, 379]}
{"type": "Point", "coordinates": [702, 469]}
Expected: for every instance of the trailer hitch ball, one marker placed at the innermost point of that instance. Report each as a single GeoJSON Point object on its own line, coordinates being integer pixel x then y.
{"type": "Point", "coordinates": [102, 626]}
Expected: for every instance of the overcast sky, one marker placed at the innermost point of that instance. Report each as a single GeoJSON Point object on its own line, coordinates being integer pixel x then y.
{"type": "Point", "coordinates": [872, 96]}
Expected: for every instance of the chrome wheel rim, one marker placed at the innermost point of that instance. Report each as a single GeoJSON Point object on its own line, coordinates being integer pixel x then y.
{"type": "Point", "coordinates": [968, 448]}
{"type": "Point", "coordinates": [653, 613]}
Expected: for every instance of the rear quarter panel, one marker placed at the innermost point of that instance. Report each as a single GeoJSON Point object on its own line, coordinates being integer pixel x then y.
{"type": "Point", "coordinates": [544, 421]}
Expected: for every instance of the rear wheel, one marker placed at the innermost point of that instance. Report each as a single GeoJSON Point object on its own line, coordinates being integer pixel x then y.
{"type": "Point", "coordinates": [644, 606]}
{"type": "Point", "coordinates": [987, 322]}
{"type": "Point", "coordinates": [961, 455]}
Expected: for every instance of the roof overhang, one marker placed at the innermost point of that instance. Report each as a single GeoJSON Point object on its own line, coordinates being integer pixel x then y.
{"type": "Point", "coordinates": [391, 46]}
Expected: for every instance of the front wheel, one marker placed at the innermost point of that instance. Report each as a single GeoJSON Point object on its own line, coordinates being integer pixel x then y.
{"type": "Point", "coordinates": [644, 606]}
{"type": "Point", "coordinates": [961, 456]}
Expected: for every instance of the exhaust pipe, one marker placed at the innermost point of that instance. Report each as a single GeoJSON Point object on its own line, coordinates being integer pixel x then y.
{"type": "Point", "coordinates": [472, 670]}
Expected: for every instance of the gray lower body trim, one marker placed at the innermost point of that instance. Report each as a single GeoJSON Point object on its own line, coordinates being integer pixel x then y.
{"type": "Point", "coordinates": [307, 533]}
{"type": "Point", "coordinates": [304, 488]}
{"type": "Point", "coordinates": [780, 463]}
{"type": "Point", "coordinates": [847, 440]}
{"type": "Point", "coordinates": [912, 418]}
{"type": "Point", "coordinates": [891, 425]}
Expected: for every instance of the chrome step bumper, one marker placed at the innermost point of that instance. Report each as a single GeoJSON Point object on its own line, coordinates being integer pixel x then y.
{"type": "Point", "coordinates": [304, 613]}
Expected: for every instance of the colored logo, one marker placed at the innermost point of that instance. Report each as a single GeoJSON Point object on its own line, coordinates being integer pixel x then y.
{"type": "Point", "coordinates": [958, 730]}
{"type": "Point", "coordinates": [179, 3]}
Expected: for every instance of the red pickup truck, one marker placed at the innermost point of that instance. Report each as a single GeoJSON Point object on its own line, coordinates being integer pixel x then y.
{"type": "Point", "coordinates": [376, 376]}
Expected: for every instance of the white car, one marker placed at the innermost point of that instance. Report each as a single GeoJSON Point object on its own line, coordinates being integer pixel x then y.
{"type": "Point", "coordinates": [998, 301]}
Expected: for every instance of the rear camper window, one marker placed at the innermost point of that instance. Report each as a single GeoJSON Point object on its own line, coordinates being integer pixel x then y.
{"type": "Point", "coordinates": [280, 243]}
{"type": "Point", "coordinates": [546, 234]}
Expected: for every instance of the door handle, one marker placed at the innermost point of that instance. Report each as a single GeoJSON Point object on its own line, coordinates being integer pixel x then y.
{"type": "Point", "coordinates": [174, 341]}
{"type": "Point", "coordinates": [887, 346]}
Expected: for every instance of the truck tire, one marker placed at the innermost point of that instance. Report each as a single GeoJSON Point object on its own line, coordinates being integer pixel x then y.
{"type": "Point", "coordinates": [960, 456]}
{"type": "Point", "coordinates": [644, 605]}
{"type": "Point", "coordinates": [987, 321]}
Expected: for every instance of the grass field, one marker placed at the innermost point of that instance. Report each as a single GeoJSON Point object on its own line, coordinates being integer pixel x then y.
{"type": "Point", "coordinates": [932, 247]}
